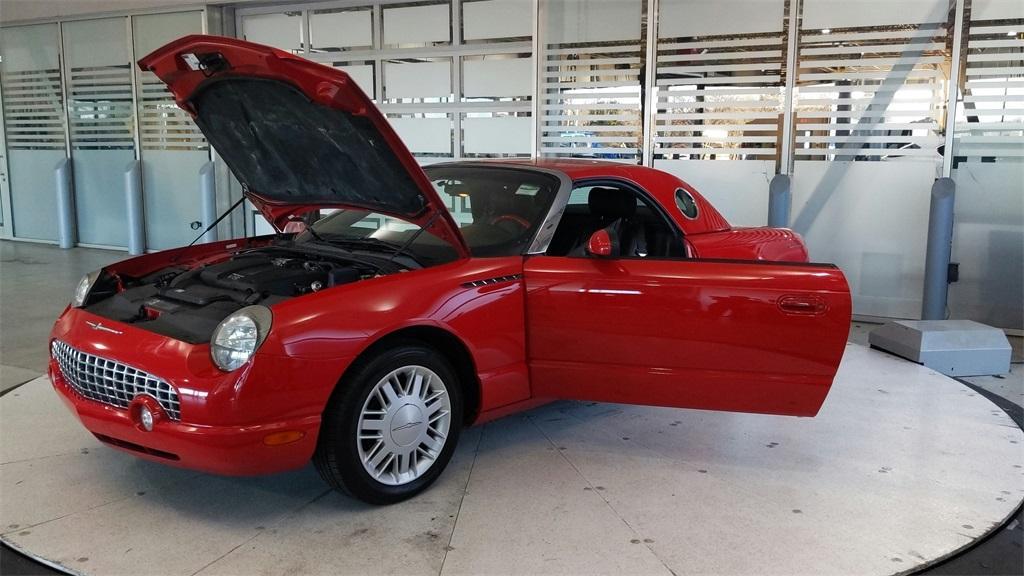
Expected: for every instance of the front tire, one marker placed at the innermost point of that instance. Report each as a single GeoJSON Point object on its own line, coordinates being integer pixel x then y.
{"type": "Point", "coordinates": [391, 427]}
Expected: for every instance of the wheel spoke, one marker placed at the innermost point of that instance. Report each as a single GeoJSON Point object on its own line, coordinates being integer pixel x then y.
{"type": "Point", "coordinates": [435, 406]}
{"type": "Point", "coordinates": [434, 444]}
{"type": "Point", "coordinates": [437, 415]}
{"type": "Point", "coordinates": [373, 451]}
{"type": "Point", "coordinates": [379, 457]}
{"type": "Point", "coordinates": [417, 384]}
{"type": "Point", "coordinates": [376, 424]}
{"type": "Point", "coordinates": [388, 388]}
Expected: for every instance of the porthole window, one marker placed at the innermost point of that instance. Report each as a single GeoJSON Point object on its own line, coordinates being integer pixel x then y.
{"type": "Point", "coordinates": [685, 203]}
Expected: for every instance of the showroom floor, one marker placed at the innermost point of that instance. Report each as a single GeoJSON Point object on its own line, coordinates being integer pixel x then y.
{"type": "Point", "coordinates": [571, 443]}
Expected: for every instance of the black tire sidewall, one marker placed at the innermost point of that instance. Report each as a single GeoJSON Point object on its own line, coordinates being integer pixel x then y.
{"type": "Point", "coordinates": [342, 415]}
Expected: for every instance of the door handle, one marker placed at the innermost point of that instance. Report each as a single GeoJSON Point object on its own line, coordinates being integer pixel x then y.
{"type": "Point", "coordinates": [803, 304]}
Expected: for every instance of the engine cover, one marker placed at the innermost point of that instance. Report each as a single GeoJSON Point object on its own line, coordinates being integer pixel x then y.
{"type": "Point", "coordinates": [259, 274]}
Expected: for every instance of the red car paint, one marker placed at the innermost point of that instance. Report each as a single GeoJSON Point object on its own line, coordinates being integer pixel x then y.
{"type": "Point", "coordinates": [731, 327]}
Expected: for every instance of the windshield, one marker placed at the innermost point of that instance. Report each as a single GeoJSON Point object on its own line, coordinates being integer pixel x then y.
{"type": "Point", "coordinates": [498, 211]}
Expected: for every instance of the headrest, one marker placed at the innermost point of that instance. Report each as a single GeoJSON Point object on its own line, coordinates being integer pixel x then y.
{"type": "Point", "coordinates": [611, 202]}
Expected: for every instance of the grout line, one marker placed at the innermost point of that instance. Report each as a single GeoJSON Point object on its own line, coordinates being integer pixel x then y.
{"type": "Point", "coordinates": [261, 532]}
{"type": "Point", "coordinates": [601, 496]}
{"type": "Point", "coordinates": [465, 489]}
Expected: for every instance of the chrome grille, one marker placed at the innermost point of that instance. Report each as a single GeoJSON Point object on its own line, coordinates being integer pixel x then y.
{"type": "Point", "coordinates": [112, 382]}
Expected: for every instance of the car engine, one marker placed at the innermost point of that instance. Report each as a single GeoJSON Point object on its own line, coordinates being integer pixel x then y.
{"type": "Point", "coordinates": [187, 304]}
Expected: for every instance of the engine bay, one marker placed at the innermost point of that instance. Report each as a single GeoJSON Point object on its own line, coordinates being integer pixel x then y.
{"type": "Point", "coordinates": [188, 303]}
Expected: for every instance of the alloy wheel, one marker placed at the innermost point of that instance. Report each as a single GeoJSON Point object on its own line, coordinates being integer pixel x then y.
{"type": "Point", "coordinates": [403, 425]}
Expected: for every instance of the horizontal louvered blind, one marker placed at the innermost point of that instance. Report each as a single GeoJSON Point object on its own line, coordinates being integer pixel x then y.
{"type": "Point", "coordinates": [993, 92]}
{"type": "Point", "coordinates": [871, 93]}
{"type": "Point", "coordinates": [100, 108]}
{"type": "Point", "coordinates": [33, 110]}
{"type": "Point", "coordinates": [590, 101]}
{"type": "Point", "coordinates": [719, 96]}
{"type": "Point", "coordinates": [162, 124]}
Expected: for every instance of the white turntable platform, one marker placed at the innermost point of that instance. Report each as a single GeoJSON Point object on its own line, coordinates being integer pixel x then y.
{"type": "Point", "coordinates": [901, 468]}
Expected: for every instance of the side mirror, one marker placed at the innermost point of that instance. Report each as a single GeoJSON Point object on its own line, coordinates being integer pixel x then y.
{"type": "Point", "coordinates": [604, 244]}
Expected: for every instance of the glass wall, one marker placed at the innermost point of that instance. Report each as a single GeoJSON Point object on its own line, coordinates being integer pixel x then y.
{"type": "Point", "coordinates": [73, 87]}
{"type": "Point", "coordinates": [591, 79]}
{"type": "Point", "coordinates": [705, 89]}
{"type": "Point", "coordinates": [172, 147]}
{"type": "Point", "coordinates": [869, 105]}
{"type": "Point", "coordinates": [718, 100]}
{"type": "Point", "coordinates": [33, 126]}
{"type": "Point", "coordinates": [988, 166]}
{"type": "Point", "coordinates": [102, 125]}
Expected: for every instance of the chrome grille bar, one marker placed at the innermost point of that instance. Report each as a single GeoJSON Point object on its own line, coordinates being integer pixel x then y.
{"type": "Point", "coordinates": [112, 382]}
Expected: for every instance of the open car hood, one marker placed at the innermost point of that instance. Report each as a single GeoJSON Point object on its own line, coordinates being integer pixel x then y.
{"type": "Point", "coordinates": [296, 134]}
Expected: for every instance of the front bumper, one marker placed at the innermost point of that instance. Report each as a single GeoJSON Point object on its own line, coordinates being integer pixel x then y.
{"type": "Point", "coordinates": [228, 450]}
{"type": "Point", "coordinates": [225, 418]}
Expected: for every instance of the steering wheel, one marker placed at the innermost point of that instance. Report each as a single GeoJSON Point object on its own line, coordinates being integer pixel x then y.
{"type": "Point", "coordinates": [511, 218]}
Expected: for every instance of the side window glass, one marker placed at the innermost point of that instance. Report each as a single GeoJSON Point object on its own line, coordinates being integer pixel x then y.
{"type": "Point", "coordinates": [641, 228]}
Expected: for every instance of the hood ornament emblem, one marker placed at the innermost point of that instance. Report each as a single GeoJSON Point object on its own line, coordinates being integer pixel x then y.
{"type": "Point", "coordinates": [100, 326]}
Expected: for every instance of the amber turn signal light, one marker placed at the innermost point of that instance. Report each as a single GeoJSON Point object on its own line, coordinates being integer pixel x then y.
{"type": "Point", "coordinates": [286, 437]}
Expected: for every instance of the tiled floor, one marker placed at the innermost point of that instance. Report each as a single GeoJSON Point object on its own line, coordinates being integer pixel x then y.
{"type": "Point", "coordinates": [36, 282]}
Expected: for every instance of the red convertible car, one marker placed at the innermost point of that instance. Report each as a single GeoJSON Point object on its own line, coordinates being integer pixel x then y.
{"type": "Point", "coordinates": [399, 304]}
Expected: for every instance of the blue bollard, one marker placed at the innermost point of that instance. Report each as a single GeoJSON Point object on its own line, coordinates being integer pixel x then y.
{"type": "Point", "coordinates": [780, 200]}
{"type": "Point", "coordinates": [940, 243]}
{"type": "Point", "coordinates": [66, 232]}
{"type": "Point", "coordinates": [135, 208]}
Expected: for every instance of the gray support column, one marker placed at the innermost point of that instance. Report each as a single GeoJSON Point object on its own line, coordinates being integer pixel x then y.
{"type": "Point", "coordinates": [66, 232]}
{"type": "Point", "coordinates": [940, 240]}
{"type": "Point", "coordinates": [208, 200]}
{"type": "Point", "coordinates": [135, 208]}
{"type": "Point", "coordinates": [780, 200]}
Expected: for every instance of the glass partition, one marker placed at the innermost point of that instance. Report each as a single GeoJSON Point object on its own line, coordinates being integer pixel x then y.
{"type": "Point", "coordinates": [101, 122]}
{"type": "Point", "coordinates": [988, 167]}
{"type": "Point", "coordinates": [869, 105]}
{"type": "Point", "coordinates": [718, 100]}
{"type": "Point", "coordinates": [34, 126]}
{"type": "Point", "coordinates": [591, 79]}
{"type": "Point", "coordinates": [172, 147]}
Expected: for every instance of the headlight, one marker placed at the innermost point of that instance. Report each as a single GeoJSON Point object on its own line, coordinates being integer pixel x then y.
{"type": "Point", "coordinates": [238, 336]}
{"type": "Point", "coordinates": [83, 288]}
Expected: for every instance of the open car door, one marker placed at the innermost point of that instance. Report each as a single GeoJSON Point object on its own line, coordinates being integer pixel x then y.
{"type": "Point", "coordinates": [740, 336]}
